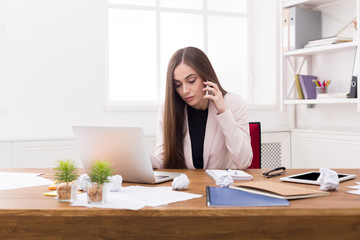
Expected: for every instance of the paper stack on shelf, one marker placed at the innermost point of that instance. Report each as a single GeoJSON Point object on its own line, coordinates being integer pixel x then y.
{"type": "Point", "coordinates": [330, 95]}
{"type": "Point", "coordinates": [327, 41]}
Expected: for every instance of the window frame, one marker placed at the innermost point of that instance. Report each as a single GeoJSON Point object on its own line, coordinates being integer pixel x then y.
{"type": "Point", "coordinates": [146, 106]}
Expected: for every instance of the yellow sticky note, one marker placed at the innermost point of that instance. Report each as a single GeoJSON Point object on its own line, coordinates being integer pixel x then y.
{"type": "Point", "coordinates": [51, 193]}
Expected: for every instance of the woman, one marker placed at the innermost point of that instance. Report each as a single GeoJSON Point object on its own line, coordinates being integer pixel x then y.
{"type": "Point", "coordinates": [200, 125]}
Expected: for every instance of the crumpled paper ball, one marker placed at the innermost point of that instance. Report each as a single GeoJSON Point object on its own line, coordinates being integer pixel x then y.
{"type": "Point", "coordinates": [83, 181]}
{"type": "Point", "coordinates": [328, 179]}
{"type": "Point", "coordinates": [180, 182]}
{"type": "Point", "coordinates": [224, 180]}
{"type": "Point", "coordinates": [115, 183]}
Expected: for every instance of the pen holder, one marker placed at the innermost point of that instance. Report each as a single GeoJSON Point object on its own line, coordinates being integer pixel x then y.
{"type": "Point", "coordinates": [320, 90]}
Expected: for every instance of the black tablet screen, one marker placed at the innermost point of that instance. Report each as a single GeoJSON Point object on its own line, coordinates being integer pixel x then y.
{"type": "Point", "coordinates": [312, 176]}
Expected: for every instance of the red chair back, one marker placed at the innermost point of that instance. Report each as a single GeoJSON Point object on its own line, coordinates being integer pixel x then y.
{"type": "Point", "coordinates": [255, 136]}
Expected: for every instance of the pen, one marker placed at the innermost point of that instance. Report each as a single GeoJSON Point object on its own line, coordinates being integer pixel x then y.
{"type": "Point", "coordinates": [316, 83]}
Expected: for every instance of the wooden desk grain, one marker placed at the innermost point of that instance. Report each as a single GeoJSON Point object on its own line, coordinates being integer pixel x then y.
{"type": "Point", "coordinates": [28, 214]}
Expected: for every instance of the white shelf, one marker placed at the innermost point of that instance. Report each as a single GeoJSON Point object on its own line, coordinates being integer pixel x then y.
{"type": "Point", "coordinates": [314, 3]}
{"type": "Point", "coordinates": [321, 49]}
{"type": "Point", "coordinates": [321, 101]}
{"type": "Point", "coordinates": [305, 60]}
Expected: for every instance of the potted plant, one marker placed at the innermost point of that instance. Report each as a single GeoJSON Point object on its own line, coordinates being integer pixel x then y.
{"type": "Point", "coordinates": [66, 173]}
{"type": "Point", "coordinates": [100, 170]}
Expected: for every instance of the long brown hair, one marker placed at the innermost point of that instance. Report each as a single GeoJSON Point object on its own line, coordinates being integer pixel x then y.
{"type": "Point", "coordinates": [174, 117]}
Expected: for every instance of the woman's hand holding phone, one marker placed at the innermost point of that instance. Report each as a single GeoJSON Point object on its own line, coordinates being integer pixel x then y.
{"type": "Point", "coordinates": [213, 93]}
{"type": "Point", "coordinates": [207, 92]}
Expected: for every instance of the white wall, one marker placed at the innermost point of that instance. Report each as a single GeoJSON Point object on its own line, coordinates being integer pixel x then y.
{"type": "Point", "coordinates": [265, 70]}
{"type": "Point", "coordinates": [53, 68]}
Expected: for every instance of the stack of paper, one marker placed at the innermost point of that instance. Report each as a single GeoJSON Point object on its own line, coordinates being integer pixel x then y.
{"type": "Point", "coordinates": [235, 174]}
{"type": "Point", "coordinates": [13, 180]}
{"type": "Point", "coordinates": [328, 41]}
{"type": "Point", "coordinates": [331, 95]}
{"type": "Point", "coordinates": [356, 187]}
{"type": "Point", "coordinates": [137, 197]}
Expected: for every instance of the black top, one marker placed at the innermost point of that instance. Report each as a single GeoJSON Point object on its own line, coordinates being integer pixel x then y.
{"type": "Point", "coordinates": [197, 125]}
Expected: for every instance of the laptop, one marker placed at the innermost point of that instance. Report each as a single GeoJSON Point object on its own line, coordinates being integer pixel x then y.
{"type": "Point", "coordinates": [124, 148]}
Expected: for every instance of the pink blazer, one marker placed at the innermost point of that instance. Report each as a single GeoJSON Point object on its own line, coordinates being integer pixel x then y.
{"type": "Point", "coordinates": [227, 139]}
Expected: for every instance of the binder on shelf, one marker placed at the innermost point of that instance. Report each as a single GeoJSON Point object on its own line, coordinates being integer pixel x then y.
{"type": "Point", "coordinates": [298, 87]}
{"type": "Point", "coordinates": [285, 31]}
{"type": "Point", "coordinates": [304, 25]}
{"type": "Point", "coordinates": [353, 86]}
{"type": "Point", "coordinates": [308, 86]}
{"type": "Point", "coordinates": [227, 197]}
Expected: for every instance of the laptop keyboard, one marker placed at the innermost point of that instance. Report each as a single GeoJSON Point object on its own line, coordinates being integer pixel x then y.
{"type": "Point", "coordinates": [158, 177]}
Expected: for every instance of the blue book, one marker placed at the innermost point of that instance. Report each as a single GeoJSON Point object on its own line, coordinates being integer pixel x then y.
{"type": "Point", "coordinates": [308, 86]}
{"type": "Point", "coordinates": [228, 197]}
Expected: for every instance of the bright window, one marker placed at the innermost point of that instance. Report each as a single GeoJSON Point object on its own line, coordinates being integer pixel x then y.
{"type": "Point", "coordinates": [143, 34]}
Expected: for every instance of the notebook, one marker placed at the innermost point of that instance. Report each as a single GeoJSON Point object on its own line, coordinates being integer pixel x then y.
{"type": "Point", "coordinates": [228, 197]}
{"type": "Point", "coordinates": [124, 148]}
{"type": "Point", "coordinates": [308, 86]}
{"type": "Point", "coordinates": [279, 190]}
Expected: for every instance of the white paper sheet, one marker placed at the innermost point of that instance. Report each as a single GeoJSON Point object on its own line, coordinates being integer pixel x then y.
{"type": "Point", "coordinates": [137, 197]}
{"type": "Point", "coordinates": [357, 187]}
{"type": "Point", "coordinates": [13, 180]}
{"type": "Point", "coordinates": [356, 192]}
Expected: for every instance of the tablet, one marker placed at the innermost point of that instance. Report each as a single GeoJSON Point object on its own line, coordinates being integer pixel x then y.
{"type": "Point", "coordinates": [312, 176]}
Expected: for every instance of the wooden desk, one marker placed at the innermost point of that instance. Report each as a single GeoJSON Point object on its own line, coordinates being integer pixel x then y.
{"type": "Point", "coordinates": [28, 214]}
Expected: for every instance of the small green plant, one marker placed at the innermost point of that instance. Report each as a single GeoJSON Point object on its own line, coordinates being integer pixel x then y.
{"type": "Point", "coordinates": [100, 170]}
{"type": "Point", "coordinates": [66, 171]}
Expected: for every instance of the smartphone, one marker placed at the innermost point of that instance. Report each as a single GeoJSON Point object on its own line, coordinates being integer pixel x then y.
{"type": "Point", "coordinates": [208, 92]}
